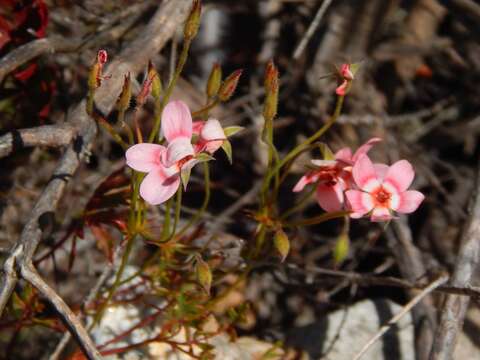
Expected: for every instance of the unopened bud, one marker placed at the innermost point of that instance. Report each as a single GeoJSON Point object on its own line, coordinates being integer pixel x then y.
{"type": "Point", "coordinates": [123, 101]}
{"type": "Point", "coordinates": [271, 89]}
{"type": "Point", "coordinates": [271, 76]}
{"type": "Point", "coordinates": [282, 244]}
{"type": "Point", "coordinates": [193, 20]}
{"type": "Point", "coordinates": [214, 80]}
{"type": "Point", "coordinates": [144, 91]}
{"type": "Point", "coordinates": [102, 56]}
{"type": "Point", "coordinates": [157, 87]}
{"type": "Point", "coordinates": [204, 275]}
{"type": "Point", "coordinates": [229, 85]}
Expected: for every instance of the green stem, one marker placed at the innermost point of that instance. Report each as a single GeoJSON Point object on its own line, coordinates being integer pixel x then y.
{"type": "Point", "coordinates": [317, 219]}
{"type": "Point", "coordinates": [154, 134]}
{"type": "Point", "coordinates": [298, 149]}
{"type": "Point", "coordinates": [166, 220]}
{"type": "Point", "coordinates": [300, 205]}
{"type": "Point", "coordinates": [206, 200]}
{"type": "Point", "coordinates": [205, 109]}
{"type": "Point", "coordinates": [178, 207]}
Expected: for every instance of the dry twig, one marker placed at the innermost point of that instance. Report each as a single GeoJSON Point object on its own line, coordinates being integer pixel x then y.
{"type": "Point", "coordinates": [455, 306]}
{"type": "Point", "coordinates": [164, 23]}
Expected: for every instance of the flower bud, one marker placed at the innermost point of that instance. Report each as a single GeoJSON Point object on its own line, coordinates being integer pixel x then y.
{"type": "Point", "coordinates": [157, 87]}
{"type": "Point", "coordinates": [271, 89]}
{"type": "Point", "coordinates": [193, 20]}
{"type": "Point", "coordinates": [229, 85]}
{"type": "Point", "coordinates": [204, 275]}
{"type": "Point", "coordinates": [95, 75]}
{"type": "Point", "coordinates": [214, 80]}
{"type": "Point", "coordinates": [123, 101]}
{"type": "Point", "coordinates": [271, 76]}
{"type": "Point", "coordinates": [102, 56]}
{"type": "Point", "coordinates": [282, 244]}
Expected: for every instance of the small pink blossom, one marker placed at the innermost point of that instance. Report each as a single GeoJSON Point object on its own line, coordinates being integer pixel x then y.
{"type": "Point", "coordinates": [382, 190]}
{"type": "Point", "coordinates": [163, 165]}
{"type": "Point", "coordinates": [334, 176]}
{"type": "Point", "coordinates": [346, 76]}
{"type": "Point", "coordinates": [210, 135]}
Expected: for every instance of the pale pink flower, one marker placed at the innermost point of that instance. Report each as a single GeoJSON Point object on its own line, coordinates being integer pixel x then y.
{"type": "Point", "coordinates": [382, 190]}
{"type": "Point", "coordinates": [210, 135]}
{"type": "Point", "coordinates": [163, 165]}
{"type": "Point", "coordinates": [346, 76]}
{"type": "Point", "coordinates": [333, 176]}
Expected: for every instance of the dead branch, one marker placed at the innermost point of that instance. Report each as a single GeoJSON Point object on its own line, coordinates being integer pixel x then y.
{"type": "Point", "coordinates": [455, 306]}
{"type": "Point", "coordinates": [164, 23]}
{"type": "Point", "coordinates": [48, 135]}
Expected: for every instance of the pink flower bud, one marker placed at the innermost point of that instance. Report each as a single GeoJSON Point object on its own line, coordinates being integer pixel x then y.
{"type": "Point", "coordinates": [102, 57]}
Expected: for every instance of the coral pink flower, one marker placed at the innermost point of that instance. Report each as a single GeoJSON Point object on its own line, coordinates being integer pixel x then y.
{"type": "Point", "coordinates": [346, 76]}
{"type": "Point", "coordinates": [333, 176]}
{"type": "Point", "coordinates": [163, 165]}
{"type": "Point", "coordinates": [210, 135]}
{"type": "Point", "coordinates": [382, 190]}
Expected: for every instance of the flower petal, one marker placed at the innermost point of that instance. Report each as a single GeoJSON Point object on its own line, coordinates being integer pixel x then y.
{"type": "Point", "coordinates": [409, 201]}
{"type": "Point", "coordinates": [324, 163]}
{"type": "Point", "coordinates": [359, 202]}
{"type": "Point", "coordinates": [177, 150]}
{"type": "Point", "coordinates": [342, 89]}
{"type": "Point", "coordinates": [381, 171]}
{"type": "Point", "coordinates": [212, 130]}
{"type": "Point", "coordinates": [144, 157]}
{"type": "Point", "coordinates": [156, 188]}
{"type": "Point", "coordinates": [330, 198]}
{"type": "Point", "coordinates": [304, 181]}
{"type": "Point", "coordinates": [176, 121]}
{"type": "Point", "coordinates": [400, 175]}
{"type": "Point", "coordinates": [197, 127]}
{"type": "Point", "coordinates": [365, 148]}
{"type": "Point", "coordinates": [344, 155]}
{"type": "Point", "coordinates": [380, 214]}
{"type": "Point", "coordinates": [364, 174]}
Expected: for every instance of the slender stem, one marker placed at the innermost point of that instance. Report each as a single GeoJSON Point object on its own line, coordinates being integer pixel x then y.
{"type": "Point", "coordinates": [300, 205]}
{"type": "Point", "coordinates": [168, 92]}
{"type": "Point", "coordinates": [118, 139]}
{"type": "Point", "coordinates": [298, 149]}
{"type": "Point", "coordinates": [166, 220]}
{"type": "Point", "coordinates": [206, 200]}
{"type": "Point", "coordinates": [317, 219]}
{"type": "Point", "coordinates": [178, 207]}
{"type": "Point", "coordinates": [205, 109]}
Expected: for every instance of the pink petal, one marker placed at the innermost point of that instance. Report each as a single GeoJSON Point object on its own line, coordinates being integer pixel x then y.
{"type": "Point", "coordinates": [364, 174]}
{"type": "Point", "coordinates": [345, 155]}
{"type": "Point", "coordinates": [359, 202]}
{"type": "Point", "coordinates": [156, 188]}
{"type": "Point", "coordinates": [410, 201]}
{"type": "Point", "coordinates": [381, 171]}
{"type": "Point", "coordinates": [177, 150]}
{"type": "Point", "coordinates": [144, 157]}
{"type": "Point", "coordinates": [330, 198]}
{"type": "Point", "coordinates": [380, 214]}
{"type": "Point", "coordinates": [341, 90]}
{"type": "Point", "coordinates": [400, 175]}
{"type": "Point", "coordinates": [304, 181]}
{"type": "Point", "coordinates": [213, 145]}
{"type": "Point", "coordinates": [212, 130]}
{"type": "Point", "coordinates": [365, 148]}
{"type": "Point", "coordinates": [324, 163]}
{"type": "Point", "coordinates": [176, 121]}
{"type": "Point", "coordinates": [197, 127]}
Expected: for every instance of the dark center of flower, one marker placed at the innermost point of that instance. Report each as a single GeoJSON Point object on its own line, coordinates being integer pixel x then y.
{"type": "Point", "coordinates": [382, 196]}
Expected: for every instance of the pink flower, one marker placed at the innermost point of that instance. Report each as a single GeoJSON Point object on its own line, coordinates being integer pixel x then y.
{"type": "Point", "coordinates": [210, 135]}
{"type": "Point", "coordinates": [164, 165]}
{"type": "Point", "coordinates": [333, 177]}
{"type": "Point", "coordinates": [382, 190]}
{"type": "Point", "coordinates": [346, 76]}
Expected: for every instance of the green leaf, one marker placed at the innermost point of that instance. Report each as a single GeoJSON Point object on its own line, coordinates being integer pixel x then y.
{"type": "Point", "coordinates": [227, 147]}
{"type": "Point", "coordinates": [282, 244]}
{"type": "Point", "coordinates": [232, 130]}
{"type": "Point", "coordinates": [342, 246]}
{"type": "Point", "coordinates": [326, 152]}
{"type": "Point", "coordinates": [204, 157]}
{"type": "Point", "coordinates": [185, 176]}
